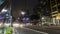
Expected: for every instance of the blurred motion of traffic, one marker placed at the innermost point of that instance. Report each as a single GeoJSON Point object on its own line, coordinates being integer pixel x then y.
{"type": "Point", "coordinates": [29, 16]}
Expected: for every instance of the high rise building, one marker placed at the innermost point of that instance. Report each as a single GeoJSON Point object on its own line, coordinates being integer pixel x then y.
{"type": "Point", "coordinates": [55, 10]}
{"type": "Point", "coordinates": [55, 7]}
{"type": "Point", "coordinates": [5, 9]}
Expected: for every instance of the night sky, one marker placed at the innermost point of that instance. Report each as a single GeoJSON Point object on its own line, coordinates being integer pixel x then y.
{"type": "Point", "coordinates": [21, 4]}
{"type": "Point", "coordinates": [24, 4]}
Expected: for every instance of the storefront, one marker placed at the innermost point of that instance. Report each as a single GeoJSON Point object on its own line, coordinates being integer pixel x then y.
{"type": "Point", "coordinates": [56, 19]}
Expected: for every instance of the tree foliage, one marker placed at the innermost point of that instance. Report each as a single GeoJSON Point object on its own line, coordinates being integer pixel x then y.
{"type": "Point", "coordinates": [36, 17]}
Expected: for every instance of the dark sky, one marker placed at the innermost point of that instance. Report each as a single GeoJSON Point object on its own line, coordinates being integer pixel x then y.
{"type": "Point", "coordinates": [24, 4]}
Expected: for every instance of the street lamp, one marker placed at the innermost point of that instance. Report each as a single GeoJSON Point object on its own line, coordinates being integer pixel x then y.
{"type": "Point", "coordinates": [42, 18]}
{"type": "Point", "coordinates": [23, 13]}
{"type": "Point", "coordinates": [4, 10]}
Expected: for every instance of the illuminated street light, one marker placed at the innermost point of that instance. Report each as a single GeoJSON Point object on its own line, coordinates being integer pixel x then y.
{"type": "Point", "coordinates": [42, 17]}
{"type": "Point", "coordinates": [23, 13]}
{"type": "Point", "coordinates": [4, 10]}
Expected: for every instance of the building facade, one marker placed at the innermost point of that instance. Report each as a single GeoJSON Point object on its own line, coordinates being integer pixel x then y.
{"type": "Point", "coordinates": [55, 11]}
{"type": "Point", "coordinates": [5, 10]}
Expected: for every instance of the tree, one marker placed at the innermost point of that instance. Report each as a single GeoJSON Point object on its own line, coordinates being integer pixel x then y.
{"type": "Point", "coordinates": [36, 17]}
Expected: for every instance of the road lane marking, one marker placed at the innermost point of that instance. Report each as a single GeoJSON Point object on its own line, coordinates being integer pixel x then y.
{"type": "Point", "coordinates": [36, 31]}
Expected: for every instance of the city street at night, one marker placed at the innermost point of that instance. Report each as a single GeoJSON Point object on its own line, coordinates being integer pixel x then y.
{"type": "Point", "coordinates": [29, 16]}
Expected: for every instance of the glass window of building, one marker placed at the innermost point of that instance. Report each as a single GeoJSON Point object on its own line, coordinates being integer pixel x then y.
{"type": "Point", "coordinates": [58, 1]}
{"type": "Point", "coordinates": [58, 6]}
{"type": "Point", "coordinates": [59, 10]}
{"type": "Point", "coordinates": [1, 1]}
{"type": "Point", "coordinates": [54, 9]}
{"type": "Point", "coordinates": [53, 2]}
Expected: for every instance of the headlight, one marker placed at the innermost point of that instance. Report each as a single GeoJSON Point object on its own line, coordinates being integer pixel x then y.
{"type": "Point", "coordinates": [15, 25]}
{"type": "Point", "coordinates": [21, 25]}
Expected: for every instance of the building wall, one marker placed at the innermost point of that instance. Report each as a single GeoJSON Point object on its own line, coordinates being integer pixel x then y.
{"type": "Point", "coordinates": [55, 11]}
{"type": "Point", "coordinates": [55, 7]}
{"type": "Point", "coordinates": [6, 5]}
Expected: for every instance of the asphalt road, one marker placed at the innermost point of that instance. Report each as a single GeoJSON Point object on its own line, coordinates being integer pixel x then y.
{"type": "Point", "coordinates": [27, 31]}
{"type": "Point", "coordinates": [49, 30]}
